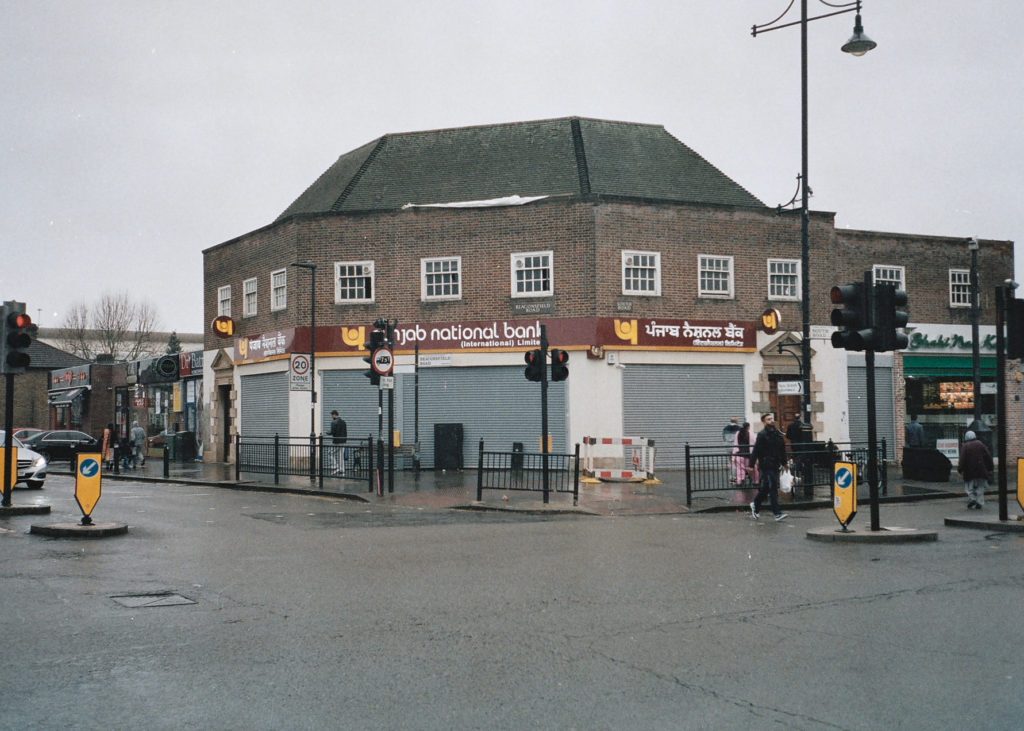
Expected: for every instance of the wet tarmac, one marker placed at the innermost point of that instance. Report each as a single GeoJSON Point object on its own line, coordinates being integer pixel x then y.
{"type": "Point", "coordinates": [451, 489]}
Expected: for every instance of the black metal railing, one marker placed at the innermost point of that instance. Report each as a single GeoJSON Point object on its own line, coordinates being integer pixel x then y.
{"type": "Point", "coordinates": [710, 468]}
{"type": "Point", "coordinates": [316, 457]}
{"type": "Point", "coordinates": [538, 472]}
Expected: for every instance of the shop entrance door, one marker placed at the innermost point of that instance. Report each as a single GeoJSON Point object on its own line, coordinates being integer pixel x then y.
{"type": "Point", "coordinates": [786, 407]}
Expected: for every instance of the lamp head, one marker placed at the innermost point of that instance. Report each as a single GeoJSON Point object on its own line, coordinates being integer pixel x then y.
{"type": "Point", "coordinates": [859, 43]}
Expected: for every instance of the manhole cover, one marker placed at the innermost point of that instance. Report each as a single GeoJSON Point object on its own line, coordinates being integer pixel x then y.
{"type": "Point", "coordinates": [154, 599]}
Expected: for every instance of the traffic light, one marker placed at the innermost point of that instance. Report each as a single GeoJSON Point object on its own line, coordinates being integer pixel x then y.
{"type": "Point", "coordinates": [853, 318]}
{"type": "Point", "coordinates": [888, 318]}
{"type": "Point", "coordinates": [534, 365]}
{"type": "Point", "coordinates": [1014, 328]}
{"type": "Point", "coordinates": [559, 365]}
{"type": "Point", "coordinates": [17, 335]}
{"type": "Point", "coordinates": [376, 341]}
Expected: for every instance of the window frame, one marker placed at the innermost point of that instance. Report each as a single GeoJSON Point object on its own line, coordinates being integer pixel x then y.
{"type": "Point", "coordinates": [281, 289]}
{"type": "Point", "coordinates": [730, 276]}
{"type": "Point", "coordinates": [796, 274]}
{"type": "Point", "coordinates": [250, 299]}
{"type": "Point", "coordinates": [224, 301]}
{"type": "Point", "coordinates": [369, 273]}
{"type": "Point", "coordinates": [549, 267]}
{"type": "Point", "coordinates": [654, 267]}
{"type": "Point", "coordinates": [425, 295]}
{"type": "Point", "coordinates": [901, 283]}
{"type": "Point", "coordinates": [965, 284]}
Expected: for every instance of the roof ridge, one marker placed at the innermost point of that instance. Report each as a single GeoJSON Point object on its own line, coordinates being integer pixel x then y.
{"type": "Point", "coordinates": [581, 156]}
{"type": "Point", "coordinates": [359, 174]}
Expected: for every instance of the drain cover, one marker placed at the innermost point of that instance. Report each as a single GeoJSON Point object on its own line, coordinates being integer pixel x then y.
{"type": "Point", "coordinates": [154, 599]}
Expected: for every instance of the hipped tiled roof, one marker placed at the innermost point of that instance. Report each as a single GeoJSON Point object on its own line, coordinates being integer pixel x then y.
{"type": "Point", "coordinates": [573, 156]}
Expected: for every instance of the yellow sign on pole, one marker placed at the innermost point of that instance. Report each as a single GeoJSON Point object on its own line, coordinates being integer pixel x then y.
{"type": "Point", "coordinates": [87, 484]}
{"type": "Point", "coordinates": [844, 491]}
{"type": "Point", "coordinates": [1020, 482]}
{"type": "Point", "coordinates": [7, 481]}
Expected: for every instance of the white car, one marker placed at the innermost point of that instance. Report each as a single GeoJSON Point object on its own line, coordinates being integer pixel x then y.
{"type": "Point", "coordinates": [31, 465]}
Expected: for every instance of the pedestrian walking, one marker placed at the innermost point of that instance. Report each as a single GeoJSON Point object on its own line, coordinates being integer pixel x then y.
{"type": "Point", "coordinates": [730, 429]}
{"type": "Point", "coordinates": [769, 454]}
{"type": "Point", "coordinates": [741, 456]}
{"type": "Point", "coordinates": [976, 467]}
{"type": "Point", "coordinates": [339, 433]}
{"type": "Point", "coordinates": [914, 433]}
{"type": "Point", "coordinates": [107, 450]}
{"type": "Point", "coordinates": [138, 435]}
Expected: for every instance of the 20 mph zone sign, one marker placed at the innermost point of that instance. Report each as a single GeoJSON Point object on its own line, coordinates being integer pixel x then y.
{"type": "Point", "coordinates": [383, 361]}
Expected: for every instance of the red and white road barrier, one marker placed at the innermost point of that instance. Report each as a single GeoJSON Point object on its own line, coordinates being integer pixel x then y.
{"type": "Point", "coordinates": [618, 458]}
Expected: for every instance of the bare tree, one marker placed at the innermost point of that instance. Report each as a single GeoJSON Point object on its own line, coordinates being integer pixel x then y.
{"type": "Point", "coordinates": [115, 324]}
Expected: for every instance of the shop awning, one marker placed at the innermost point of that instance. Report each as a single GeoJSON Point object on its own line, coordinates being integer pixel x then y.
{"type": "Point", "coordinates": [957, 366]}
{"type": "Point", "coordinates": [65, 397]}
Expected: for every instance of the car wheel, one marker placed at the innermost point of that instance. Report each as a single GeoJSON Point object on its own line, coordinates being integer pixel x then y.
{"type": "Point", "coordinates": [35, 484]}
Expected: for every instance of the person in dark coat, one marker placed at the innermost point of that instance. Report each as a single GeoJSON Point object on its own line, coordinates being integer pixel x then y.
{"type": "Point", "coordinates": [769, 455]}
{"type": "Point", "coordinates": [339, 433]}
{"type": "Point", "coordinates": [976, 467]}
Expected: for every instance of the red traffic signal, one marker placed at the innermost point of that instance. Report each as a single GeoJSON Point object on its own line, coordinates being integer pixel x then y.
{"type": "Point", "coordinates": [18, 333]}
{"type": "Point", "coordinates": [377, 338]}
{"type": "Point", "coordinates": [534, 370]}
{"type": "Point", "coordinates": [853, 317]}
{"type": "Point", "coordinates": [559, 365]}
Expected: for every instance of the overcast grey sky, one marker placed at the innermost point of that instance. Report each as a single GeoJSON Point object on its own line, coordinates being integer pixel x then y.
{"type": "Point", "coordinates": [137, 134]}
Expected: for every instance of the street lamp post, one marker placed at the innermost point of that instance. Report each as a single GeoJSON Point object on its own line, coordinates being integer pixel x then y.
{"type": "Point", "coordinates": [858, 45]}
{"type": "Point", "coordinates": [312, 343]}
{"type": "Point", "coordinates": [972, 246]}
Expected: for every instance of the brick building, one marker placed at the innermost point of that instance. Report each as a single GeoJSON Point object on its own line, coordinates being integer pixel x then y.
{"type": "Point", "coordinates": [31, 407]}
{"type": "Point", "coordinates": [639, 257]}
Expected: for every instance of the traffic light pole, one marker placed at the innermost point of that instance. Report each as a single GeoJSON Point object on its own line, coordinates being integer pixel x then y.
{"type": "Point", "coordinates": [8, 439]}
{"type": "Point", "coordinates": [544, 408]}
{"type": "Point", "coordinates": [392, 324]}
{"type": "Point", "coordinates": [1001, 300]}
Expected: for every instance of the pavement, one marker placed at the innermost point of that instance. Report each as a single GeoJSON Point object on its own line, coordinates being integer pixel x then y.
{"type": "Point", "coordinates": [456, 489]}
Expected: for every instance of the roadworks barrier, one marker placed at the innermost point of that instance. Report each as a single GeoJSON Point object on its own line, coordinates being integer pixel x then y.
{"type": "Point", "coordinates": [618, 459]}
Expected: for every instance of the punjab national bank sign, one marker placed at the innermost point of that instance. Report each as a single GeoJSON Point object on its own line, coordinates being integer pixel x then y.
{"type": "Point", "coordinates": [661, 334]}
{"type": "Point", "coordinates": [581, 333]}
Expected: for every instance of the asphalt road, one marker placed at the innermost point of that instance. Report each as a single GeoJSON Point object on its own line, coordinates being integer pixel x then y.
{"type": "Point", "coordinates": [238, 610]}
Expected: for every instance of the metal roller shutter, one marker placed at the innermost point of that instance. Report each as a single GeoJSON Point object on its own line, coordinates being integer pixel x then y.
{"type": "Point", "coordinates": [264, 405]}
{"type": "Point", "coordinates": [495, 404]}
{"type": "Point", "coordinates": [356, 399]}
{"type": "Point", "coordinates": [884, 418]}
{"type": "Point", "coordinates": [676, 404]}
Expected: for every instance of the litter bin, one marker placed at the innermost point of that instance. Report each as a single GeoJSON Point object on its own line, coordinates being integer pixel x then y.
{"type": "Point", "coordinates": [927, 465]}
{"type": "Point", "coordinates": [184, 447]}
{"type": "Point", "coordinates": [517, 459]}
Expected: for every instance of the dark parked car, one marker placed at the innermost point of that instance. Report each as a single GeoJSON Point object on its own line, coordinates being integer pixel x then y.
{"type": "Point", "coordinates": [63, 444]}
{"type": "Point", "coordinates": [24, 432]}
